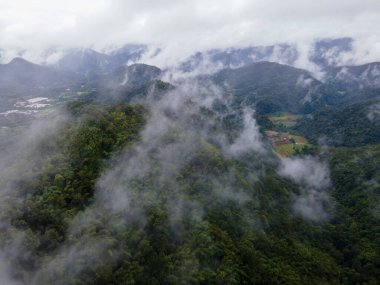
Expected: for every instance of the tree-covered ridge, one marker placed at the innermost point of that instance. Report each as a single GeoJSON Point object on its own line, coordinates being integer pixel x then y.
{"type": "Point", "coordinates": [356, 176]}
{"type": "Point", "coordinates": [186, 189]}
{"type": "Point", "coordinates": [272, 87]}
{"type": "Point", "coordinates": [68, 164]}
{"type": "Point", "coordinates": [217, 219]}
{"type": "Point", "coordinates": [353, 125]}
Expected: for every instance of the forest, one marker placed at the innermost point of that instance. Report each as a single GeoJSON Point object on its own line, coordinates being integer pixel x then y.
{"type": "Point", "coordinates": [211, 218]}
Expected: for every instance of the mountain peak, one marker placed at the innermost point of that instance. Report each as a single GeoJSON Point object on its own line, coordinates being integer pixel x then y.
{"type": "Point", "coordinates": [19, 61]}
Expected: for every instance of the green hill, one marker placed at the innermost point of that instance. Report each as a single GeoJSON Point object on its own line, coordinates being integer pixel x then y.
{"type": "Point", "coordinates": [347, 126]}
{"type": "Point", "coordinates": [272, 87]}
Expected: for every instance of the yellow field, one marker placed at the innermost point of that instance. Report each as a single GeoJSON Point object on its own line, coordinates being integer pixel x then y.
{"type": "Point", "coordinates": [288, 120]}
{"type": "Point", "coordinates": [299, 139]}
{"type": "Point", "coordinates": [289, 148]}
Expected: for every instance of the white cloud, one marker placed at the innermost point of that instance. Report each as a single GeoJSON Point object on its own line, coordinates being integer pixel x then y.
{"type": "Point", "coordinates": [184, 26]}
{"type": "Point", "coordinates": [374, 112]}
{"type": "Point", "coordinates": [249, 139]}
{"type": "Point", "coordinates": [314, 178]}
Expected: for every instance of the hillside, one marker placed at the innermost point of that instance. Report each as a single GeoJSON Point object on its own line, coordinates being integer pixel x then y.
{"type": "Point", "coordinates": [20, 79]}
{"type": "Point", "coordinates": [230, 219]}
{"type": "Point", "coordinates": [272, 87]}
{"type": "Point", "coordinates": [242, 236]}
{"type": "Point", "coordinates": [90, 63]}
{"type": "Point", "coordinates": [139, 181]}
{"type": "Point", "coordinates": [354, 125]}
{"type": "Point", "coordinates": [190, 142]}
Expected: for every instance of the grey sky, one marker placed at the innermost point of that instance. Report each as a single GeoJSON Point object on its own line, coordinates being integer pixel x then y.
{"type": "Point", "coordinates": [183, 26]}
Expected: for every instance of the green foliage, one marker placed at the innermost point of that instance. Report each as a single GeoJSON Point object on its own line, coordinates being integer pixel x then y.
{"type": "Point", "coordinates": [272, 87]}
{"type": "Point", "coordinates": [348, 126]}
{"type": "Point", "coordinates": [356, 174]}
{"type": "Point", "coordinates": [72, 165]}
{"type": "Point", "coordinates": [236, 224]}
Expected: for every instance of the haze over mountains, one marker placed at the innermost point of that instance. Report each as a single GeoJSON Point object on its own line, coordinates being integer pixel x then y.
{"type": "Point", "coordinates": [219, 162]}
{"type": "Point", "coordinates": [234, 142]}
{"type": "Point", "coordinates": [265, 78]}
{"type": "Point", "coordinates": [326, 83]}
{"type": "Point", "coordinates": [322, 53]}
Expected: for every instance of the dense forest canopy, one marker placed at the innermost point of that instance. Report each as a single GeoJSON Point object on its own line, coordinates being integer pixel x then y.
{"type": "Point", "coordinates": [258, 172]}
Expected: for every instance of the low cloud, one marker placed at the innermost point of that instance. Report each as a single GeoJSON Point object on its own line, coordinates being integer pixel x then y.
{"type": "Point", "coordinates": [250, 138]}
{"type": "Point", "coordinates": [21, 161]}
{"type": "Point", "coordinates": [147, 176]}
{"type": "Point", "coordinates": [313, 177]}
{"type": "Point", "coordinates": [180, 28]}
{"type": "Point", "coordinates": [374, 113]}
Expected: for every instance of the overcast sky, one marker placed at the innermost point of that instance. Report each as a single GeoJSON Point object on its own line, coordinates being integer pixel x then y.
{"type": "Point", "coordinates": [183, 26]}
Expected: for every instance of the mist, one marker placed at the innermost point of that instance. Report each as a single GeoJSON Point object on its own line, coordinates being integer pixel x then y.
{"type": "Point", "coordinates": [175, 134]}
{"type": "Point", "coordinates": [181, 29]}
{"type": "Point", "coordinates": [182, 143]}
{"type": "Point", "coordinates": [374, 112]}
{"type": "Point", "coordinates": [313, 202]}
{"type": "Point", "coordinates": [21, 161]}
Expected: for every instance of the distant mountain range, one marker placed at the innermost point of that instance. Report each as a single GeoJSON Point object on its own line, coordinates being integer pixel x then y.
{"type": "Point", "coordinates": [20, 79]}
{"type": "Point", "coordinates": [85, 61]}
{"type": "Point", "coordinates": [253, 75]}
{"type": "Point", "coordinates": [324, 54]}
{"type": "Point", "coordinates": [256, 173]}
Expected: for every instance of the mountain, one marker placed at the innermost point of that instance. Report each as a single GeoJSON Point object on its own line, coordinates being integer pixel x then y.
{"type": "Point", "coordinates": [360, 76]}
{"type": "Point", "coordinates": [237, 57]}
{"type": "Point", "coordinates": [129, 52]}
{"type": "Point", "coordinates": [134, 74]}
{"type": "Point", "coordinates": [127, 76]}
{"type": "Point", "coordinates": [83, 61]}
{"type": "Point", "coordinates": [347, 85]}
{"type": "Point", "coordinates": [355, 125]}
{"type": "Point", "coordinates": [22, 72]}
{"type": "Point", "coordinates": [91, 63]}
{"type": "Point", "coordinates": [272, 87]}
{"type": "Point", "coordinates": [128, 82]}
{"type": "Point", "coordinates": [324, 53]}
{"type": "Point", "coordinates": [327, 53]}
{"type": "Point", "coordinates": [156, 199]}
{"type": "Point", "coordinates": [139, 181]}
{"type": "Point", "coordinates": [23, 79]}
{"type": "Point", "coordinates": [242, 234]}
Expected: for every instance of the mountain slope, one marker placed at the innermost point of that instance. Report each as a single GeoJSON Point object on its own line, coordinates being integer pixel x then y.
{"type": "Point", "coordinates": [24, 74]}
{"type": "Point", "coordinates": [366, 75]}
{"type": "Point", "coordinates": [271, 86]}
{"type": "Point", "coordinates": [323, 53]}
{"type": "Point", "coordinates": [354, 125]}
{"type": "Point", "coordinates": [21, 79]}
{"type": "Point", "coordinates": [133, 74]}
{"type": "Point", "coordinates": [83, 61]}
{"type": "Point", "coordinates": [177, 191]}
{"type": "Point", "coordinates": [174, 219]}
{"type": "Point", "coordinates": [90, 63]}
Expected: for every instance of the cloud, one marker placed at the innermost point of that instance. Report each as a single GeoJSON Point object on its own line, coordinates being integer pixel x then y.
{"type": "Point", "coordinates": [149, 175]}
{"type": "Point", "coordinates": [314, 179]}
{"type": "Point", "coordinates": [5, 275]}
{"type": "Point", "coordinates": [374, 112]}
{"type": "Point", "coordinates": [249, 139]}
{"type": "Point", "coordinates": [182, 27]}
{"type": "Point", "coordinates": [21, 160]}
